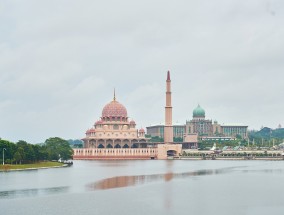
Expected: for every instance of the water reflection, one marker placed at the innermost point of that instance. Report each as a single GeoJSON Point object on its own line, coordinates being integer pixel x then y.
{"type": "Point", "coordinates": [32, 192]}
{"type": "Point", "coordinates": [127, 181]}
{"type": "Point", "coordinates": [111, 163]}
{"type": "Point", "coordinates": [274, 171]}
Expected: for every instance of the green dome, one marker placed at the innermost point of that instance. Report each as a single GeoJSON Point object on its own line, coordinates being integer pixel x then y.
{"type": "Point", "coordinates": [199, 112]}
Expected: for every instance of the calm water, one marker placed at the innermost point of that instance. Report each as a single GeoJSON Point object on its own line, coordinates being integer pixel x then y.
{"type": "Point", "coordinates": [147, 187]}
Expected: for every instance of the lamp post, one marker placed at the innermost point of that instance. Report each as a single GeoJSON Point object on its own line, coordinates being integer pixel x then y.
{"type": "Point", "coordinates": [3, 156]}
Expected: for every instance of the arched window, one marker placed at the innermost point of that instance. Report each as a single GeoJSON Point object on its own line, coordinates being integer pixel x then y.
{"type": "Point", "coordinates": [117, 146]}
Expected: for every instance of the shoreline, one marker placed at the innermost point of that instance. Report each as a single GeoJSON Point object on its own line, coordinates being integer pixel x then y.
{"type": "Point", "coordinates": [236, 158]}
{"type": "Point", "coordinates": [35, 168]}
{"type": "Point", "coordinates": [7, 169]}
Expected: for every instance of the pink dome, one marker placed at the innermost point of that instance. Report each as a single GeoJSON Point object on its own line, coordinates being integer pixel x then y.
{"type": "Point", "coordinates": [114, 109]}
{"type": "Point", "coordinates": [99, 122]}
{"type": "Point", "coordinates": [132, 122]}
{"type": "Point", "coordinates": [90, 130]}
{"type": "Point", "coordinates": [141, 130]}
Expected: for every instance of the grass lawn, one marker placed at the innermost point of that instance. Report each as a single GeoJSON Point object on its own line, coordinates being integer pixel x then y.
{"type": "Point", "coordinates": [33, 165]}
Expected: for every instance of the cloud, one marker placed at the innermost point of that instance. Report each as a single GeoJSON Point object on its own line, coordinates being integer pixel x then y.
{"type": "Point", "coordinates": [60, 60]}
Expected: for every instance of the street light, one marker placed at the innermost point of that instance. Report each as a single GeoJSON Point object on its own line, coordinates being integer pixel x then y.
{"type": "Point", "coordinates": [3, 156]}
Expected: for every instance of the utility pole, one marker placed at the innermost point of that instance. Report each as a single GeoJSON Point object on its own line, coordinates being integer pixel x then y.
{"type": "Point", "coordinates": [3, 157]}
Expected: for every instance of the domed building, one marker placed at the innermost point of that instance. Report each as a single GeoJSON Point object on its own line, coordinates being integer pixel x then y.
{"type": "Point", "coordinates": [199, 125]}
{"type": "Point", "coordinates": [114, 136]}
{"type": "Point", "coordinates": [114, 130]}
{"type": "Point", "coordinates": [207, 130]}
{"type": "Point", "coordinates": [198, 112]}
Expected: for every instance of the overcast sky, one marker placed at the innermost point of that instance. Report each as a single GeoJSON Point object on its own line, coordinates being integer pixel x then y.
{"type": "Point", "coordinates": [61, 59]}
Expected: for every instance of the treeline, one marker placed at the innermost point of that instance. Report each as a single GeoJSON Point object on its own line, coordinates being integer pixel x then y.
{"type": "Point", "coordinates": [157, 139]}
{"type": "Point", "coordinates": [76, 143]}
{"type": "Point", "coordinates": [266, 135]}
{"type": "Point", "coordinates": [22, 152]}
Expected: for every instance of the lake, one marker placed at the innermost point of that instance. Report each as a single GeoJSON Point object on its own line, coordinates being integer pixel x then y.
{"type": "Point", "coordinates": [146, 187]}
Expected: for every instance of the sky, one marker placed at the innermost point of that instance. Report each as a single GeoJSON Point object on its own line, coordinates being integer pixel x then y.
{"type": "Point", "coordinates": [61, 59]}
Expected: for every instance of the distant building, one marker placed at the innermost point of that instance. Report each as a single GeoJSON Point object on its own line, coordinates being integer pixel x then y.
{"type": "Point", "coordinates": [222, 138]}
{"type": "Point", "coordinates": [235, 130]}
{"type": "Point", "coordinates": [158, 131]}
{"type": "Point", "coordinates": [203, 128]}
{"type": "Point", "coordinates": [190, 141]}
{"type": "Point", "coordinates": [199, 124]}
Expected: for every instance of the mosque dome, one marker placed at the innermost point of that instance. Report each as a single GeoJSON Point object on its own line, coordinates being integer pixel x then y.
{"type": "Point", "coordinates": [198, 112]}
{"type": "Point", "coordinates": [114, 109]}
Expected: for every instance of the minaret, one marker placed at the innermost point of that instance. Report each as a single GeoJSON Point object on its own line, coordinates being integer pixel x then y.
{"type": "Point", "coordinates": [168, 130]}
{"type": "Point", "coordinates": [114, 98]}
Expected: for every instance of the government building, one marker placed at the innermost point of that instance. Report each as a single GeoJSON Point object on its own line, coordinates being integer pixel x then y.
{"type": "Point", "coordinates": [158, 131]}
{"type": "Point", "coordinates": [204, 128]}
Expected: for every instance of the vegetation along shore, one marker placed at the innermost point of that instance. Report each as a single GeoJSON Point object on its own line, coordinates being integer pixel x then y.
{"type": "Point", "coordinates": [22, 155]}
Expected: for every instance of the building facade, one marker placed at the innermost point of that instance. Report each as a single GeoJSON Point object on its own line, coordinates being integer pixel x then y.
{"type": "Point", "coordinates": [158, 131]}
{"type": "Point", "coordinates": [235, 130]}
{"type": "Point", "coordinates": [205, 128]}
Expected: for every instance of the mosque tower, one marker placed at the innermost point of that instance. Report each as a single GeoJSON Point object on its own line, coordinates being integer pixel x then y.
{"type": "Point", "coordinates": [168, 129]}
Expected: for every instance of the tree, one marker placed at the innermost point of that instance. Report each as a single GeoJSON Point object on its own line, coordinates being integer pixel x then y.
{"type": "Point", "coordinates": [17, 157]}
{"type": "Point", "coordinates": [78, 145]}
{"type": "Point", "coordinates": [21, 147]}
{"type": "Point", "coordinates": [40, 152]}
{"type": "Point", "coordinates": [157, 139]}
{"type": "Point", "coordinates": [10, 149]}
{"type": "Point", "coordinates": [238, 136]}
{"type": "Point", "coordinates": [58, 148]}
{"type": "Point", "coordinates": [178, 139]}
{"type": "Point", "coordinates": [30, 154]}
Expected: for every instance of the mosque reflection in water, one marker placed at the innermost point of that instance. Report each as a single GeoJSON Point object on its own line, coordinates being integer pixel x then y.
{"type": "Point", "coordinates": [127, 181]}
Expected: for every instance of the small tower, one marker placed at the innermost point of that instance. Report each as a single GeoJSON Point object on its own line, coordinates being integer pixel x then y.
{"type": "Point", "coordinates": [141, 132]}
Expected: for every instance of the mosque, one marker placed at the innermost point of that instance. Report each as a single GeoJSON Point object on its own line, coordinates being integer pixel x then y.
{"type": "Point", "coordinates": [114, 130]}
{"type": "Point", "coordinates": [115, 137]}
